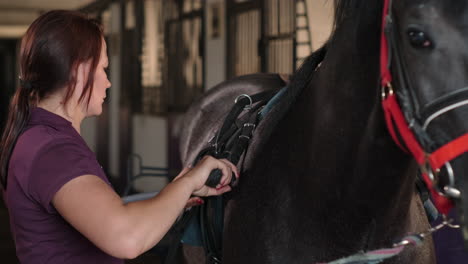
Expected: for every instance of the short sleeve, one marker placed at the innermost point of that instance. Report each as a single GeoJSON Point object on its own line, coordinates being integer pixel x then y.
{"type": "Point", "coordinates": [56, 164]}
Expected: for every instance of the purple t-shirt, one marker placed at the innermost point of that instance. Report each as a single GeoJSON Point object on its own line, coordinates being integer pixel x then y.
{"type": "Point", "coordinates": [47, 155]}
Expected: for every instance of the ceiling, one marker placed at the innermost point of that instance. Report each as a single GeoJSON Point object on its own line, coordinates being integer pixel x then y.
{"type": "Point", "coordinates": [16, 15]}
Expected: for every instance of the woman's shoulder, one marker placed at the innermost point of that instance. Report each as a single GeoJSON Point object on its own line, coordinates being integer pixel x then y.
{"type": "Point", "coordinates": [45, 128]}
{"type": "Point", "coordinates": [42, 135]}
{"type": "Point", "coordinates": [41, 152]}
{"type": "Point", "coordinates": [41, 140]}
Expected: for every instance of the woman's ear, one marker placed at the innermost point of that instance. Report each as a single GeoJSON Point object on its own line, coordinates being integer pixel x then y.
{"type": "Point", "coordinates": [81, 75]}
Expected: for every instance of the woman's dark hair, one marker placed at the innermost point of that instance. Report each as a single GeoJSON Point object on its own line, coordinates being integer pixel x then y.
{"type": "Point", "coordinates": [54, 45]}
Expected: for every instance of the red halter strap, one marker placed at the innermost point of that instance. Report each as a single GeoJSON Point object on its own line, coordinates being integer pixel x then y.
{"type": "Point", "coordinates": [397, 124]}
{"type": "Point", "coordinates": [394, 117]}
{"type": "Point", "coordinates": [385, 75]}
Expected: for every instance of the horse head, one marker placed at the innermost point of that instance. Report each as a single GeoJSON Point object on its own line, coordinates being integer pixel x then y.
{"type": "Point", "coordinates": [428, 53]}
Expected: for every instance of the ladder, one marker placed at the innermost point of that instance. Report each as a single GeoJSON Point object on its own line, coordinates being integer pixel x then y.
{"type": "Point", "coordinates": [303, 38]}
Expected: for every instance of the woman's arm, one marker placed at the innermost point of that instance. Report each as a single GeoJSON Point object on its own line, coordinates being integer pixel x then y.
{"type": "Point", "coordinates": [128, 230]}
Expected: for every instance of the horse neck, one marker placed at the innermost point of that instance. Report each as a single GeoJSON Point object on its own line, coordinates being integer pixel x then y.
{"type": "Point", "coordinates": [345, 128]}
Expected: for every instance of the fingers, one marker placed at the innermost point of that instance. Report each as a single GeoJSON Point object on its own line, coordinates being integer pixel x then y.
{"type": "Point", "coordinates": [204, 168]}
{"type": "Point", "coordinates": [194, 201]}
{"type": "Point", "coordinates": [233, 168]}
{"type": "Point", "coordinates": [209, 163]}
{"type": "Point", "coordinates": [227, 173]}
{"type": "Point", "coordinates": [218, 191]}
{"type": "Point", "coordinates": [228, 169]}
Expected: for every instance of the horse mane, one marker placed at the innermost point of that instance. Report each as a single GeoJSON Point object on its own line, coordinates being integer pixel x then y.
{"type": "Point", "coordinates": [299, 80]}
{"type": "Point", "coordinates": [343, 10]}
{"type": "Point", "coordinates": [359, 11]}
{"type": "Point", "coordinates": [349, 8]}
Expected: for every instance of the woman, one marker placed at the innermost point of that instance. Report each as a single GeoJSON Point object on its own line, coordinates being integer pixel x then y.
{"type": "Point", "coordinates": [61, 205]}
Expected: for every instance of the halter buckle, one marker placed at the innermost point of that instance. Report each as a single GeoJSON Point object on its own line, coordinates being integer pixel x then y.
{"type": "Point", "coordinates": [427, 169]}
{"type": "Point", "coordinates": [451, 192]}
{"type": "Point", "coordinates": [448, 190]}
{"type": "Point", "coordinates": [387, 90]}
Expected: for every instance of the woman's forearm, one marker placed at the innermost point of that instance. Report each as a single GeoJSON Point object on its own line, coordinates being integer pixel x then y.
{"type": "Point", "coordinates": [149, 220]}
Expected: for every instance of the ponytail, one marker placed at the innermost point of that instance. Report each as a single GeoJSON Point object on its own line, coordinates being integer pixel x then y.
{"type": "Point", "coordinates": [18, 116]}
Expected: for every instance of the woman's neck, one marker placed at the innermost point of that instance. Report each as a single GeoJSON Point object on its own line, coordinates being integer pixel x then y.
{"type": "Point", "coordinates": [70, 111]}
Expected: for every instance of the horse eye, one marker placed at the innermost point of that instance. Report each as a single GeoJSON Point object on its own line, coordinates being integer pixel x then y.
{"type": "Point", "coordinates": [419, 39]}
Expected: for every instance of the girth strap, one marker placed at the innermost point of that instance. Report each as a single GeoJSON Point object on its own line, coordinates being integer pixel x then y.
{"type": "Point", "coordinates": [233, 122]}
{"type": "Point", "coordinates": [230, 142]}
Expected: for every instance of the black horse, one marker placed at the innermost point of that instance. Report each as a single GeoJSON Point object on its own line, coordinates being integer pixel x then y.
{"type": "Point", "coordinates": [323, 178]}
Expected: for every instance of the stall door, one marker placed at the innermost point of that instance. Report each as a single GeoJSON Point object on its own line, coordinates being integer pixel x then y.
{"type": "Point", "coordinates": [278, 36]}
{"type": "Point", "coordinates": [183, 76]}
{"type": "Point", "coordinates": [243, 37]}
{"type": "Point", "coordinates": [260, 36]}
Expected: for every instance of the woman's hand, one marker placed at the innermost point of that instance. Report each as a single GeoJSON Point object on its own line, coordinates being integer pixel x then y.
{"type": "Point", "coordinates": [194, 201]}
{"type": "Point", "coordinates": [199, 174]}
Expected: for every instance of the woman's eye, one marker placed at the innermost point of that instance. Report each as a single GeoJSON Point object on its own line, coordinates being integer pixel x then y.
{"type": "Point", "coordinates": [419, 39]}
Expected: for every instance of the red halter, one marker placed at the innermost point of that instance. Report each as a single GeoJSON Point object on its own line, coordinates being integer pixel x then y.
{"type": "Point", "coordinates": [430, 163]}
